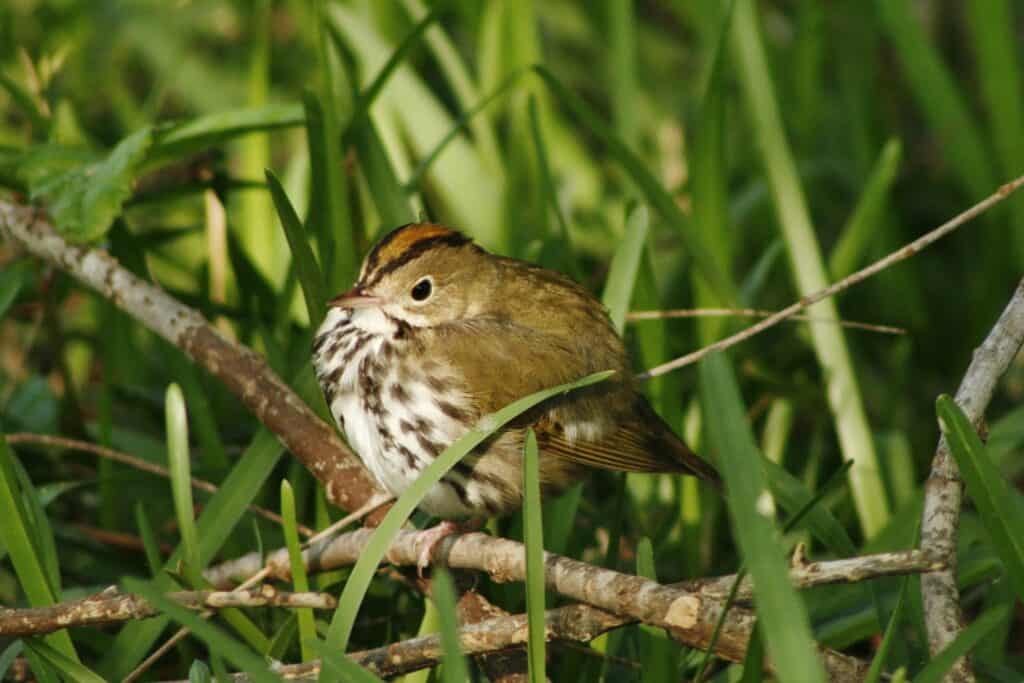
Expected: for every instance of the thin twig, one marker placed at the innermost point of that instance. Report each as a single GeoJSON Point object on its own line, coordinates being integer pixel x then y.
{"type": "Point", "coordinates": [944, 489]}
{"type": "Point", "coordinates": [137, 463]}
{"type": "Point", "coordinates": [639, 316]}
{"type": "Point", "coordinates": [112, 606]}
{"type": "Point", "coordinates": [901, 254]}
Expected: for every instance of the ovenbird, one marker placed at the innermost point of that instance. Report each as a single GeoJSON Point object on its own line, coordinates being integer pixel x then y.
{"type": "Point", "coordinates": [436, 333]}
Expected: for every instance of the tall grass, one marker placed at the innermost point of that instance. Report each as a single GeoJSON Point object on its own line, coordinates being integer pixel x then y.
{"type": "Point", "coordinates": [666, 154]}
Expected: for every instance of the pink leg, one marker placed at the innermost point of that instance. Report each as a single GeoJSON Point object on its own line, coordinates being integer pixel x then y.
{"type": "Point", "coordinates": [433, 536]}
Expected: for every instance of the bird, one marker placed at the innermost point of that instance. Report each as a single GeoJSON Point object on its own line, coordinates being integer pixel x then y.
{"type": "Point", "coordinates": [437, 333]}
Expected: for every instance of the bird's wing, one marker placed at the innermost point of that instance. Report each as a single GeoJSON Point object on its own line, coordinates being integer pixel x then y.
{"type": "Point", "coordinates": [499, 362]}
{"type": "Point", "coordinates": [641, 442]}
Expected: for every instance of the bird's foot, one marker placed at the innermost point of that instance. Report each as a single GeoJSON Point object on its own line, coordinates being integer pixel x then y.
{"type": "Point", "coordinates": [432, 538]}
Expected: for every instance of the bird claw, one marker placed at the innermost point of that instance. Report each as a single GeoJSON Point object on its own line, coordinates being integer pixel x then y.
{"type": "Point", "coordinates": [431, 538]}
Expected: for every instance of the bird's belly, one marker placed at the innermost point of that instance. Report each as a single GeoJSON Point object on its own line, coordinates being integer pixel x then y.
{"type": "Point", "coordinates": [397, 434]}
{"type": "Point", "coordinates": [397, 418]}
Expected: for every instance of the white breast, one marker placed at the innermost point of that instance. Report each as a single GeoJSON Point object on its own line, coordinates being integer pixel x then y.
{"type": "Point", "coordinates": [393, 422]}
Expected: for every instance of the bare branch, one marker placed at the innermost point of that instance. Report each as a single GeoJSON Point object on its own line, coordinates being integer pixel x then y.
{"type": "Point", "coordinates": [243, 371]}
{"type": "Point", "coordinates": [640, 316]}
{"type": "Point", "coordinates": [112, 606]}
{"type": "Point", "coordinates": [688, 610]}
{"type": "Point", "coordinates": [944, 489]}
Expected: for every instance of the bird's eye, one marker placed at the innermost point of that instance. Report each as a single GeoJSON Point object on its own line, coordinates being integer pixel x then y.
{"type": "Point", "coordinates": [421, 290]}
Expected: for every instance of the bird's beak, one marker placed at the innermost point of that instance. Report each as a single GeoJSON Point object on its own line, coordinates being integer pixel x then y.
{"type": "Point", "coordinates": [355, 298]}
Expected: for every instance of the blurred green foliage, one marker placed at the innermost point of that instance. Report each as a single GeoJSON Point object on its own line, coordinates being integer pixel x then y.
{"type": "Point", "coordinates": [146, 128]}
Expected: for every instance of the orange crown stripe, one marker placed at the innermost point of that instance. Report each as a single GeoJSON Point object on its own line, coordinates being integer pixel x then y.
{"type": "Point", "coordinates": [409, 237]}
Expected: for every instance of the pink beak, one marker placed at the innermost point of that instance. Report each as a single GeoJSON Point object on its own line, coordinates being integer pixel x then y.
{"type": "Point", "coordinates": [355, 298]}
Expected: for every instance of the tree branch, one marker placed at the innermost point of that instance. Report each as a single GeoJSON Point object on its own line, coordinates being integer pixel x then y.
{"type": "Point", "coordinates": [112, 606]}
{"type": "Point", "coordinates": [243, 371]}
{"type": "Point", "coordinates": [944, 488]}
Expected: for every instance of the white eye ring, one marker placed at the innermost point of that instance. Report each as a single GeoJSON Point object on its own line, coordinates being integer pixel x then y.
{"type": "Point", "coordinates": [422, 290]}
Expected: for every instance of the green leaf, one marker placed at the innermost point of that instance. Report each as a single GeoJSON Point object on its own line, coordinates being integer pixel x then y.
{"type": "Point", "coordinates": [307, 627]}
{"type": "Point", "coordinates": [454, 668]}
{"type": "Point", "coordinates": [180, 467]}
{"type": "Point", "coordinates": [85, 200]}
{"type": "Point", "coordinates": [622, 274]}
{"type": "Point", "coordinates": [310, 277]}
{"type": "Point", "coordinates": [780, 609]}
{"type": "Point", "coordinates": [70, 669]}
{"type": "Point", "coordinates": [533, 526]}
{"type": "Point", "coordinates": [1002, 517]}
{"type": "Point", "coordinates": [365, 568]}
{"type": "Point", "coordinates": [940, 664]}
{"type": "Point", "coordinates": [215, 638]}
{"type": "Point", "coordinates": [19, 537]}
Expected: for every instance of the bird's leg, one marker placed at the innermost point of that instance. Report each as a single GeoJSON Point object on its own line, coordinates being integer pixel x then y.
{"type": "Point", "coordinates": [433, 536]}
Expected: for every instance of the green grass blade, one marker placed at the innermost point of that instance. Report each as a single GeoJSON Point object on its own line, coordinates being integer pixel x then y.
{"type": "Point", "coordinates": [454, 668]}
{"type": "Point", "coordinates": [794, 219]}
{"type": "Point", "coordinates": [8, 656]}
{"type": "Point", "coordinates": [24, 100]}
{"type": "Point", "coordinates": [991, 27]}
{"type": "Point", "coordinates": [341, 667]}
{"type": "Point", "coordinates": [658, 655]}
{"type": "Point", "coordinates": [940, 100]}
{"type": "Point", "coordinates": [874, 674]}
{"type": "Point", "coordinates": [359, 580]}
{"type": "Point", "coordinates": [307, 627]}
{"type": "Point", "coordinates": [416, 177]}
{"type": "Point", "coordinates": [18, 536]}
{"type": "Point", "coordinates": [215, 524]}
{"type": "Point", "coordinates": [149, 542]}
{"type": "Point", "coordinates": [660, 200]}
{"type": "Point", "coordinates": [625, 266]}
{"type": "Point", "coordinates": [533, 526]}
{"type": "Point", "coordinates": [753, 662]}
{"type": "Point", "coordinates": [215, 638]}
{"type": "Point", "coordinates": [549, 188]}
{"type": "Point", "coordinates": [282, 639]}
{"type": "Point", "coordinates": [199, 133]}
{"type": "Point", "coordinates": [621, 26]}
{"type": "Point", "coordinates": [941, 663]}
{"type": "Point", "coordinates": [328, 216]}
{"type": "Point", "coordinates": [388, 194]}
{"type": "Point", "coordinates": [369, 95]}
{"type": "Point", "coordinates": [310, 277]}
{"type": "Point", "coordinates": [864, 223]}
{"type": "Point", "coordinates": [780, 609]}
{"type": "Point", "coordinates": [710, 181]}
{"type": "Point", "coordinates": [12, 279]}
{"type": "Point", "coordinates": [70, 669]}
{"type": "Point", "coordinates": [180, 467]}
{"type": "Point", "coordinates": [1002, 518]}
